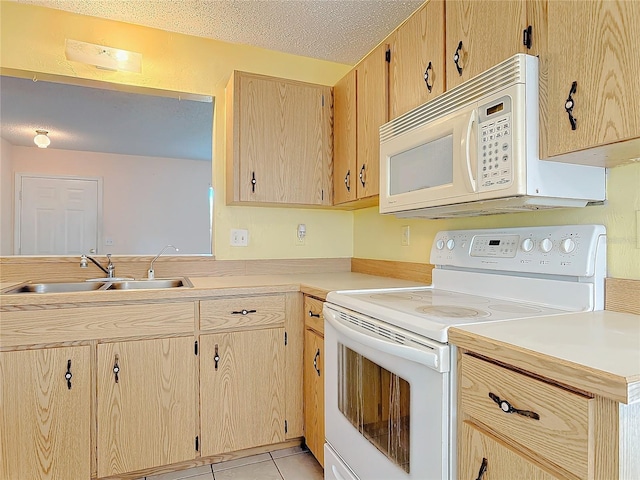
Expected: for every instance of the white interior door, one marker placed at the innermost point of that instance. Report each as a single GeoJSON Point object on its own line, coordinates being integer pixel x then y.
{"type": "Point", "coordinates": [57, 215]}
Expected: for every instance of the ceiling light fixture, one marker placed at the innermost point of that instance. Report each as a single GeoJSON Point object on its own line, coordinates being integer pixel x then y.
{"type": "Point", "coordinates": [106, 58]}
{"type": "Point", "coordinates": [41, 139]}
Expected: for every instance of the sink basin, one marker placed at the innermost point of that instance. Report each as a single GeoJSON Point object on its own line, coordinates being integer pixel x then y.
{"type": "Point", "coordinates": [71, 287]}
{"type": "Point", "coordinates": [58, 287]}
{"type": "Point", "coordinates": [147, 284]}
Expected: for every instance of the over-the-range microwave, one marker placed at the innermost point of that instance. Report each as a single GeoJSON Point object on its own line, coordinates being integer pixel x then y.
{"type": "Point", "coordinates": [474, 150]}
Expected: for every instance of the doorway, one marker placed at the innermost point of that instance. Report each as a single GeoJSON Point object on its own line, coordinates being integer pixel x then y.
{"type": "Point", "coordinates": [57, 215]}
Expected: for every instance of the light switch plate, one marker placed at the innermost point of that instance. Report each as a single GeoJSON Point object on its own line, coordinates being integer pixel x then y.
{"type": "Point", "coordinates": [239, 237]}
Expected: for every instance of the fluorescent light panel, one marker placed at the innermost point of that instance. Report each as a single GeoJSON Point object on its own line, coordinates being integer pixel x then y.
{"type": "Point", "coordinates": [104, 57]}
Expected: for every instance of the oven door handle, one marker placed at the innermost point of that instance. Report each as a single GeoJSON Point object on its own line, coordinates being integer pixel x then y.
{"type": "Point", "coordinates": [428, 359]}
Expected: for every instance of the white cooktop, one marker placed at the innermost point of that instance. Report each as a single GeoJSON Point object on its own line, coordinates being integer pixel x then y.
{"type": "Point", "coordinates": [430, 312]}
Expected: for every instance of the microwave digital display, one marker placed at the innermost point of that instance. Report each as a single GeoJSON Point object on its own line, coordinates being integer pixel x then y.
{"type": "Point", "coordinates": [494, 242]}
{"type": "Point", "coordinates": [494, 109]}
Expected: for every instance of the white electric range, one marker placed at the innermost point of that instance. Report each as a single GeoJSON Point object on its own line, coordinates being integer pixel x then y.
{"type": "Point", "coordinates": [389, 382]}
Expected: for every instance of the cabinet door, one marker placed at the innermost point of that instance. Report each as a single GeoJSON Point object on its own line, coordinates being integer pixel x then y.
{"type": "Point", "coordinates": [45, 425]}
{"type": "Point", "coordinates": [489, 31]}
{"type": "Point", "coordinates": [417, 70]}
{"type": "Point", "coordinates": [345, 176]}
{"type": "Point", "coordinates": [241, 390]}
{"type": "Point", "coordinates": [314, 393]}
{"type": "Point", "coordinates": [147, 412]}
{"type": "Point", "coordinates": [480, 452]}
{"type": "Point", "coordinates": [282, 141]}
{"type": "Point", "coordinates": [373, 111]}
{"type": "Point", "coordinates": [593, 44]}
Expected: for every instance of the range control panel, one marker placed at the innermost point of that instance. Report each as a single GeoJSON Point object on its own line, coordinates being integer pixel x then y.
{"type": "Point", "coordinates": [556, 250]}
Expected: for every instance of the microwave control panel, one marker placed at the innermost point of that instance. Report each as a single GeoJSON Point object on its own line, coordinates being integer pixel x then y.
{"type": "Point", "coordinates": [495, 139]}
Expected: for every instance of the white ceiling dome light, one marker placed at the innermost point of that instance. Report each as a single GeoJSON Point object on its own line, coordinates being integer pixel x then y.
{"type": "Point", "coordinates": [41, 139]}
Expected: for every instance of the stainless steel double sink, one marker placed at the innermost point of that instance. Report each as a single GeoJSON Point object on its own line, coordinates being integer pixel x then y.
{"type": "Point", "coordinates": [102, 285]}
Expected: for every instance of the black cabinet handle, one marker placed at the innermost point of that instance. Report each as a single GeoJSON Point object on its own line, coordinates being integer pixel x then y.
{"type": "Point", "coordinates": [253, 182]}
{"type": "Point", "coordinates": [311, 314]}
{"type": "Point", "coordinates": [243, 312]}
{"type": "Point", "coordinates": [315, 362]}
{"type": "Point", "coordinates": [116, 369]}
{"type": "Point", "coordinates": [426, 77]}
{"type": "Point", "coordinates": [506, 407]}
{"type": "Point", "coordinates": [68, 375]}
{"type": "Point", "coordinates": [456, 58]}
{"type": "Point", "coordinates": [569, 104]}
{"type": "Point", "coordinates": [347, 180]}
{"type": "Point", "coordinates": [216, 357]}
{"type": "Point", "coordinates": [483, 468]}
{"type": "Point", "coordinates": [362, 174]}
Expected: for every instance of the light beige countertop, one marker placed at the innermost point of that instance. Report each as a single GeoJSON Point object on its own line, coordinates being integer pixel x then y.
{"type": "Point", "coordinates": [597, 352]}
{"type": "Point", "coordinates": [313, 284]}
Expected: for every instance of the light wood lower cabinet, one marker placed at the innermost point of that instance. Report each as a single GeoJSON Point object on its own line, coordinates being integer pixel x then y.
{"type": "Point", "coordinates": [314, 377]}
{"type": "Point", "coordinates": [241, 390]}
{"type": "Point", "coordinates": [488, 458]}
{"type": "Point", "coordinates": [146, 404]}
{"type": "Point", "coordinates": [44, 424]}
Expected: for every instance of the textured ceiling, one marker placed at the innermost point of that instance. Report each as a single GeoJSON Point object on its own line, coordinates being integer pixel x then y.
{"type": "Point", "coordinates": [108, 121]}
{"type": "Point", "coordinates": [341, 31]}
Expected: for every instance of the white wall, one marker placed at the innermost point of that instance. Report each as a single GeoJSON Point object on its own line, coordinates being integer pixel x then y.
{"type": "Point", "coordinates": [148, 202]}
{"type": "Point", "coordinates": [6, 198]}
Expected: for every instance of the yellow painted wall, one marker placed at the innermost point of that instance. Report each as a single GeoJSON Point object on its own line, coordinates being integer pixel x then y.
{"type": "Point", "coordinates": [618, 215]}
{"type": "Point", "coordinates": [33, 39]}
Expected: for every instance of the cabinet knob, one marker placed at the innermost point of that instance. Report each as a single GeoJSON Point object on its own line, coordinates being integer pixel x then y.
{"type": "Point", "coordinates": [216, 357]}
{"type": "Point", "coordinates": [426, 77]}
{"type": "Point", "coordinates": [483, 469]}
{"type": "Point", "coordinates": [456, 58]}
{"type": "Point", "coordinates": [569, 104]}
{"type": "Point", "coordinates": [347, 180]}
{"type": "Point", "coordinates": [116, 369]}
{"type": "Point", "coordinates": [311, 314]}
{"type": "Point", "coordinates": [253, 182]}
{"type": "Point", "coordinates": [362, 175]}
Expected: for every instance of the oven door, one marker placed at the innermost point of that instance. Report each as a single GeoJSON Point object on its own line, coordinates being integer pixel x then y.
{"type": "Point", "coordinates": [386, 404]}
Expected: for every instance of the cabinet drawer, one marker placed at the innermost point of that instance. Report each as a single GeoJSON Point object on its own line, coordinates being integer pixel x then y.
{"type": "Point", "coordinates": [561, 434]}
{"type": "Point", "coordinates": [239, 312]}
{"type": "Point", "coordinates": [313, 316]}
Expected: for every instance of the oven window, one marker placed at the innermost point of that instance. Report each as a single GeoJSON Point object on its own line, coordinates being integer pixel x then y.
{"type": "Point", "coordinates": [376, 402]}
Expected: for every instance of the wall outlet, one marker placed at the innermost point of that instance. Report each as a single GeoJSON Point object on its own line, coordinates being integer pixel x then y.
{"type": "Point", "coordinates": [404, 241]}
{"type": "Point", "coordinates": [108, 241]}
{"type": "Point", "coordinates": [301, 235]}
{"type": "Point", "coordinates": [239, 237]}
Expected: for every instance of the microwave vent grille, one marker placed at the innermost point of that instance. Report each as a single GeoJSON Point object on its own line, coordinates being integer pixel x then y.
{"type": "Point", "coordinates": [509, 72]}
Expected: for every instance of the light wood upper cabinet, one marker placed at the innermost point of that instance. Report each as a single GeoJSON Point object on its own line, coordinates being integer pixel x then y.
{"type": "Point", "coordinates": [345, 159]}
{"type": "Point", "coordinates": [279, 141]}
{"type": "Point", "coordinates": [417, 68]}
{"type": "Point", "coordinates": [44, 424]}
{"type": "Point", "coordinates": [372, 106]}
{"type": "Point", "coordinates": [595, 45]}
{"type": "Point", "coordinates": [146, 404]}
{"type": "Point", "coordinates": [490, 31]}
{"type": "Point", "coordinates": [242, 390]}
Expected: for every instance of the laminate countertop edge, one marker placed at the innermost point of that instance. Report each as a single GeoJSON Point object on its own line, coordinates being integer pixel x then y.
{"type": "Point", "coordinates": [594, 352]}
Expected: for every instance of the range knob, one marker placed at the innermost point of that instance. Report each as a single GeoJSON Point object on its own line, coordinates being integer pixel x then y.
{"type": "Point", "coordinates": [527, 245]}
{"type": "Point", "coordinates": [440, 244]}
{"type": "Point", "coordinates": [546, 245]}
{"type": "Point", "coordinates": [567, 245]}
{"type": "Point", "coordinates": [451, 244]}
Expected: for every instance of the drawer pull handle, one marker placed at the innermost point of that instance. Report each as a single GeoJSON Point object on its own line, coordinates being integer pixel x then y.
{"type": "Point", "coordinates": [456, 58]}
{"type": "Point", "coordinates": [243, 312]}
{"type": "Point", "coordinates": [506, 407]}
{"type": "Point", "coordinates": [311, 314]}
{"type": "Point", "coordinates": [68, 375]}
{"type": "Point", "coordinates": [116, 369]}
{"type": "Point", "coordinates": [315, 362]}
{"type": "Point", "coordinates": [216, 357]}
{"type": "Point", "coordinates": [483, 468]}
{"type": "Point", "coordinates": [569, 103]}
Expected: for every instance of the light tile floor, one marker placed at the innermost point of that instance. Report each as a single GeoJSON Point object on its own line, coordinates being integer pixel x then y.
{"type": "Point", "coordinates": [290, 464]}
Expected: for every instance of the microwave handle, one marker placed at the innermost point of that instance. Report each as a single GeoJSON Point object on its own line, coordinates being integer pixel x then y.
{"type": "Point", "coordinates": [470, 179]}
{"type": "Point", "coordinates": [428, 359]}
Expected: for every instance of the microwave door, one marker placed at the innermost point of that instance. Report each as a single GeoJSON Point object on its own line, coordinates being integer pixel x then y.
{"type": "Point", "coordinates": [430, 165]}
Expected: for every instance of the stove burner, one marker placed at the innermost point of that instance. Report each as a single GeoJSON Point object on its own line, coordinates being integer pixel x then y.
{"type": "Point", "coordinates": [451, 311]}
{"type": "Point", "coordinates": [514, 308]}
